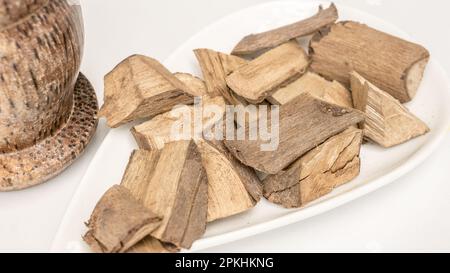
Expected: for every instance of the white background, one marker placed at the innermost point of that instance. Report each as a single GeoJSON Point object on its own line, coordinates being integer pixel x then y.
{"type": "Point", "coordinates": [413, 214]}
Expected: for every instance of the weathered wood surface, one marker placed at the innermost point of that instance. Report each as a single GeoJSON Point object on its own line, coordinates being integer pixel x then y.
{"type": "Point", "coordinates": [315, 85]}
{"type": "Point", "coordinates": [304, 123]}
{"type": "Point", "coordinates": [232, 187]}
{"type": "Point", "coordinates": [394, 65]}
{"type": "Point", "coordinates": [216, 66]}
{"type": "Point", "coordinates": [276, 68]}
{"type": "Point", "coordinates": [331, 164]}
{"type": "Point", "coordinates": [175, 186]}
{"type": "Point", "coordinates": [388, 122]}
{"type": "Point", "coordinates": [118, 222]}
{"type": "Point", "coordinates": [140, 87]}
{"type": "Point", "coordinates": [255, 43]}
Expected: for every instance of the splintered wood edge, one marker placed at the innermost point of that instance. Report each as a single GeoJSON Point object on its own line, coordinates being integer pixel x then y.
{"type": "Point", "coordinates": [48, 158]}
{"type": "Point", "coordinates": [378, 127]}
{"type": "Point", "coordinates": [255, 43]}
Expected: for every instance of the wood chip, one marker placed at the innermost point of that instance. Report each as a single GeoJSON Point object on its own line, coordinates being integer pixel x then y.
{"type": "Point", "coordinates": [216, 66]}
{"type": "Point", "coordinates": [196, 85]}
{"type": "Point", "coordinates": [118, 222]}
{"type": "Point", "coordinates": [155, 133]}
{"type": "Point", "coordinates": [318, 172]}
{"type": "Point", "coordinates": [388, 122]}
{"type": "Point", "coordinates": [175, 186]}
{"type": "Point", "coordinates": [232, 187]}
{"type": "Point", "coordinates": [259, 42]}
{"type": "Point", "coordinates": [394, 65]}
{"type": "Point", "coordinates": [276, 68]}
{"type": "Point", "coordinates": [304, 123]}
{"type": "Point", "coordinates": [315, 85]}
{"type": "Point", "coordinates": [140, 87]}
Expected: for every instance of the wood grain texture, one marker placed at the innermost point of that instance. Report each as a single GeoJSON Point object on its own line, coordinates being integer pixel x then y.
{"type": "Point", "coordinates": [315, 85]}
{"type": "Point", "coordinates": [232, 187]}
{"type": "Point", "coordinates": [155, 133]}
{"type": "Point", "coordinates": [318, 172]}
{"type": "Point", "coordinates": [40, 54]}
{"type": "Point", "coordinates": [276, 68]}
{"type": "Point", "coordinates": [118, 222]}
{"type": "Point", "coordinates": [196, 85]}
{"type": "Point", "coordinates": [176, 190]}
{"type": "Point", "coordinates": [36, 164]}
{"type": "Point", "coordinates": [140, 87]}
{"type": "Point", "coordinates": [216, 66]}
{"type": "Point", "coordinates": [304, 123]}
{"type": "Point", "coordinates": [394, 65]}
{"type": "Point", "coordinates": [388, 122]}
{"type": "Point", "coordinates": [255, 43]}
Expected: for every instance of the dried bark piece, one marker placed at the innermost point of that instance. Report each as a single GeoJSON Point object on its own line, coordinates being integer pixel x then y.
{"type": "Point", "coordinates": [176, 189]}
{"type": "Point", "coordinates": [333, 163]}
{"type": "Point", "coordinates": [304, 123]}
{"type": "Point", "coordinates": [140, 87]}
{"type": "Point", "coordinates": [118, 222]}
{"type": "Point", "coordinates": [315, 85]}
{"type": "Point", "coordinates": [262, 77]}
{"type": "Point", "coordinates": [255, 43]}
{"type": "Point", "coordinates": [155, 133]}
{"type": "Point", "coordinates": [232, 187]}
{"type": "Point", "coordinates": [196, 85]}
{"type": "Point", "coordinates": [394, 65]}
{"type": "Point", "coordinates": [216, 66]}
{"type": "Point", "coordinates": [388, 122]}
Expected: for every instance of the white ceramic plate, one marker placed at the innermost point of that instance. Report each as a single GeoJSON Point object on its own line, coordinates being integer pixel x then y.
{"type": "Point", "coordinates": [379, 166]}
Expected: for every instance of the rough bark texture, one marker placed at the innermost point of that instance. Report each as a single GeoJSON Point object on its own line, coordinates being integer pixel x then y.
{"type": "Point", "coordinates": [118, 222]}
{"type": "Point", "coordinates": [305, 122]}
{"type": "Point", "coordinates": [175, 186]}
{"type": "Point", "coordinates": [155, 133]}
{"type": "Point", "coordinates": [318, 172]}
{"type": "Point", "coordinates": [216, 66]}
{"type": "Point", "coordinates": [232, 187]}
{"type": "Point", "coordinates": [36, 164]}
{"type": "Point", "coordinates": [262, 77]}
{"type": "Point", "coordinates": [388, 122]}
{"type": "Point", "coordinates": [315, 85]}
{"type": "Point", "coordinates": [255, 43]}
{"type": "Point", "coordinates": [394, 65]}
{"type": "Point", "coordinates": [140, 87]}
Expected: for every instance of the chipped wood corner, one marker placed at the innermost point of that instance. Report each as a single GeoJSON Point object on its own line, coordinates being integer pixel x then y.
{"type": "Point", "coordinates": [388, 123]}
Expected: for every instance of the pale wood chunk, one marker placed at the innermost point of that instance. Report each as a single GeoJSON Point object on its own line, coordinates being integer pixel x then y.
{"type": "Point", "coordinates": [118, 222]}
{"type": "Point", "coordinates": [176, 190]}
{"type": "Point", "coordinates": [140, 87]}
{"type": "Point", "coordinates": [332, 164]}
{"type": "Point", "coordinates": [155, 133]}
{"type": "Point", "coordinates": [196, 85]}
{"type": "Point", "coordinates": [394, 65]}
{"type": "Point", "coordinates": [255, 43]}
{"type": "Point", "coordinates": [216, 66]}
{"type": "Point", "coordinates": [264, 75]}
{"type": "Point", "coordinates": [304, 123]}
{"type": "Point", "coordinates": [315, 85]}
{"type": "Point", "coordinates": [388, 122]}
{"type": "Point", "coordinates": [232, 187]}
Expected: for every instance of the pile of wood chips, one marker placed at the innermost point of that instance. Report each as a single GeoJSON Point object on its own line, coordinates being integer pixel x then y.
{"type": "Point", "coordinates": [350, 87]}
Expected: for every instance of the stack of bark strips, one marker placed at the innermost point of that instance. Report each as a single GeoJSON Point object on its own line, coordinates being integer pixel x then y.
{"type": "Point", "coordinates": [350, 86]}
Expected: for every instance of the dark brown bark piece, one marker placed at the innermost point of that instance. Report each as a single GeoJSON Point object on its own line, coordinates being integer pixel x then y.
{"type": "Point", "coordinates": [118, 222]}
{"type": "Point", "coordinates": [255, 43]}
{"type": "Point", "coordinates": [304, 123]}
{"type": "Point", "coordinates": [140, 87]}
{"type": "Point", "coordinates": [262, 77]}
{"type": "Point", "coordinates": [390, 63]}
